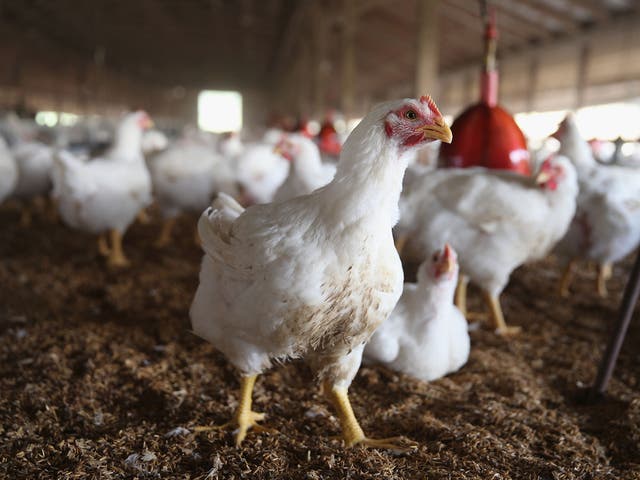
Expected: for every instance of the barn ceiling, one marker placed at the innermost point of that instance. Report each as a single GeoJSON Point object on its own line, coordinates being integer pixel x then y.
{"type": "Point", "coordinates": [249, 43]}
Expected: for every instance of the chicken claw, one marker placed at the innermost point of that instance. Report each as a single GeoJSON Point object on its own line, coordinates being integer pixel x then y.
{"type": "Point", "coordinates": [498, 318]}
{"type": "Point", "coordinates": [352, 433]}
{"type": "Point", "coordinates": [245, 418]}
{"type": "Point", "coordinates": [103, 245]}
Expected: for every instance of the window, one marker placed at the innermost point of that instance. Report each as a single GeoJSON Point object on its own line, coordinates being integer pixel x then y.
{"type": "Point", "coordinates": [220, 111]}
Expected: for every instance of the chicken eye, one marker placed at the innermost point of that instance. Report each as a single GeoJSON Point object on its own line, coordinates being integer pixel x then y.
{"type": "Point", "coordinates": [434, 257]}
{"type": "Point", "coordinates": [410, 114]}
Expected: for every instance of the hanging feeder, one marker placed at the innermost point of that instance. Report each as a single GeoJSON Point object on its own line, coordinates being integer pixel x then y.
{"type": "Point", "coordinates": [486, 135]}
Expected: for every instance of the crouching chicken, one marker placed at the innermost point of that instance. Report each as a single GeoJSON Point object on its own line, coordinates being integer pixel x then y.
{"type": "Point", "coordinates": [313, 276]}
{"type": "Point", "coordinates": [426, 335]}
{"type": "Point", "coordinates": [495, 220]}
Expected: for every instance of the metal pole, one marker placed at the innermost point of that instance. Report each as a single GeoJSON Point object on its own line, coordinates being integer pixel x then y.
{"type": "Point", "coordinates": [608, 363]}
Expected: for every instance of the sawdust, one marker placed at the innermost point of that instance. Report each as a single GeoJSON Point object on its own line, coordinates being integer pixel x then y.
{"type": "Point", "coordinates": [101, 378]}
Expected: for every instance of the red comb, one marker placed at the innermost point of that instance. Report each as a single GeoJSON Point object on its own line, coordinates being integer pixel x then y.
{"type": "Point", "coordinates": [432, 105]}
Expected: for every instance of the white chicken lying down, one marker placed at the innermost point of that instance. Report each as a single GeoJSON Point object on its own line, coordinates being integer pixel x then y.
{"type": "Point", "coordinates": [426, 335]}
{"type": "Point", "coordinates": [606, 226]}
{"type": "Point", "coordinates": [495, 220]}
{"type": "Point", "coordinates": [307, 172]}
{"type": "Point", "coordinates": [8, 171]}
{"type": "Point", "coordinates": [313, 276]}
{"type": "Point", "coordinates": [106, 194]}
{"type": "Point", "coordinates": [260, 171]}
{"type": "Point", "coordinates": [185, 178]}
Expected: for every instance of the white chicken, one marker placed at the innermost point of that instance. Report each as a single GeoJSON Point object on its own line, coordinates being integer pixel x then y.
{"type": "Point", "coordinates": [8, 171]}
{"type": "Point", "coordinates": [495, 220]}
{"type": "Point", "coordinates": [426, 336]}
{"type": "Point", "coordinates": [260, 172]}
{"type": "Point", "coordinates": [606, 226]}
{"type": "Point", "coordinates": [307, 172]}
{"type": "Point", "coordinates": [313, 276]}
{"type": "Point", "coordinates": [106, 194]}
{"type": "Point", "coordinates": [185, 178]}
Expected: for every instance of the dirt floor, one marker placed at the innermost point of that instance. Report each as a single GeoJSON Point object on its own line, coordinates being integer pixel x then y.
{"type": "Point", "coordinates": [100, 377]}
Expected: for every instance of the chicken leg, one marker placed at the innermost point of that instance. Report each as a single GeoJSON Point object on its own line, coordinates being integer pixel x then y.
{"type": "Point", "coordinates": [103, 245]}
{"type": "Point", "coordinates": [245, 418]}
{"type": "Point", "coordinates": [352, 433]}
{"type": "Point", "coordinates": [604, 274]}
{"type": "Point", "coordinates": [143, 217]}
{"type": "Point", "coordinates": [567, 276]}
{"type": "Point", "coordinates": [498, 318]}
{"type": "Point", "coordinates": [461, 294]}
{"type": "Point", "coordinates": [165, 234]}
{"type": "Point", "coordinates": [116, 255]}
{"type": "Point", "coordinates": [401, 242]}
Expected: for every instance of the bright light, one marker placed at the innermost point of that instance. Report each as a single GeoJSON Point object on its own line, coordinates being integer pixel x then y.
{"type": "Point", "coordinates": [537, 126]}
{"type": "Point", "coordinates": [604, 122]}
{"type": "Point", "coordinates": [68, 119]}
{"type": "Point", "coordinates": [220, 111]}
{"type": "Point", "coordinates": [47, 119]}
{"type": "Point", "coordinates": [608, 122]}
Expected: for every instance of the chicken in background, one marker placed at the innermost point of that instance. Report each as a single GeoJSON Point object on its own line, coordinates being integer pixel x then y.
{"type": "Point", "coordinates": [260, 172]}
{"type": "Point", "coordinates": [496, 221]}
{"type": "Point", "coordinates": [307, 172]}
{"type": "Point", "coordinates": [313, 276]}
{"type": "Point", "coordinates": [34, 160]}
{"type": "Point", "coordinates": [606, 226]}
{"type": "Point", "coordinates": [186, 177]}
{"type": "Point", "coordinates": [426, 336]}
{"type": "Point", "coordinates": [8, 171]}
{"type": "Point", "coordinates": [106, 194]}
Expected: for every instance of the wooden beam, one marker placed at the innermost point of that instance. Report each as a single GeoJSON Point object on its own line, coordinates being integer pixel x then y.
{"type": "Point", "coordinates": [583, 65]}
{"type": "Point", "coordinates": [348, 58]}
{"type": "Point", "coordinates": [427, 48]}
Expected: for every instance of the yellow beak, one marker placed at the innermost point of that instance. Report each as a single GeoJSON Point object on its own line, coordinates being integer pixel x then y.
{"type": "Point", "coordinates": [439, 131]}
{"type": "Point", "coordinates": [543, 177]}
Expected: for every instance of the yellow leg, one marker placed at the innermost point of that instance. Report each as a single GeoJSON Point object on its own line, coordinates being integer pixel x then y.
{"type": "Point", "coordinates": [116, 255]}
{"type": "Point", "coordinates": [498, 318]}
{"type": "Point", "coordinates": [401, 242]}
{"type": "Point", "coordinates": [604, 274]}
{"type": "Point", "coordinates": [103, 245]}
{"type": "Point", "coordinates": [565, 281]}
{"type": "Point", "coordinates": [352, 433]}
{"type": "Point", "coordinates": [461, 294]}
{"type": "Point", "coordinates": [245, 418]}
{"type": "Point", "coordinates": [165, 234]}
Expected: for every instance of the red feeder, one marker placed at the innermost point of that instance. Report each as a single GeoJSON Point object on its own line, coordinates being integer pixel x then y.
{"type": "Point", "coordinates": [485, 135]}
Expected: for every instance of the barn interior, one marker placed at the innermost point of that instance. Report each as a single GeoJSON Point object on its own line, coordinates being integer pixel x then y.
{"type": "Point", "coordinates": [101, 374]}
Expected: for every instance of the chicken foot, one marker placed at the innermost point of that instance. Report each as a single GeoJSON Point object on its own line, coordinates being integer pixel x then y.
{"type": "Point", "coordinates": [165, 234]}
{"type": "Point", "coordinates": [567, 276]}
{"type": "Point", "coordinates": [245, 418]}
{"type": "Point", "coordinates": [116, 255]}
{"type": "Point", "coordinates": [604, 274]}
{"type": "Point", "coordinates": [497, 316]}
{"type": "Point", "coordinates": [352, 433]}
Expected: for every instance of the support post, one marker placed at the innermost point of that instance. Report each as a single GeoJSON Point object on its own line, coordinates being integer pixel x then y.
{"type": "Point", "coordinates": [426, 80]}
{"type": "Point", "coordinates": [348, 59]}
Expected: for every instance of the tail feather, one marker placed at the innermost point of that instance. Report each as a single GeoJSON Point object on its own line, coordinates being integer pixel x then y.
{"type": "Point", "coordinates": [215, 226]}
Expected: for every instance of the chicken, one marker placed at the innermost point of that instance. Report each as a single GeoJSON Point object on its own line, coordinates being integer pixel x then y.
{"type": "Point", "coordinates": [495, 220]}
{"type": "Point", "coordinates": [106, 194]}
{"type": "Point", "coordinates": [8, 171]}
{"type": "Point", "coordinates": [185, 178]}
{"type": "Point", "coordinates": [315, 275]}
{"type": "Point", "coordinates": [606, 226]}
{"type": "Point", "coordinates": [307, 172]}
{"type": "Point", "coordinates": [260, 172]}
{"type": "Point", "coordinates": [426, 335]}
